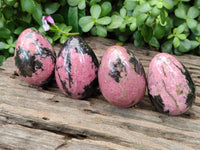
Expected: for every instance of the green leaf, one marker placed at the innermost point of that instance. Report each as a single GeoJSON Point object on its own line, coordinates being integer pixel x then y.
{"type": "Point", "coordinates": [180, 29]}
{"type": "Point", "coordinates": [196, 31]}
{"type": "Point", "coordinates": [129, 20]}
{"type": "Point", "coordinates": [55, 37]}
{"type": "Point", "coordinates": [133, 26]}
{"type": "Point", "coordinates": [192, 23]}
{"type": "Point", "coordinates": [170, 36]}
{"type": "Point", "coordinates": [67, 29]}
{"type": "Point", "coordinates": [155, 11]}
{"type": "Point", "coordinates": [123, 12]}
{"type": "Point", "coordinates": [138, 39]}
{"type": "Point", "coordinates": [171, 3]}
{"type": "Point", "coordinates": [177, 52]}
{"type": "Point", "coordinates": [37, 13]}
{"type": "Point", "coordinates": [180, 12]}
{"type": "Point", "coordinates": [4, 33]}
{"type": "Point", "coordinates": [154, 42]}
{"type": "Point", "coordinates": [130, 4]}
{"type": "Point", "coordinates": [193, 12]}
{"type": "Point", "coordinates": [104, 21]}
{"type": "Point", "coordinates": [81, 4]}
{"type": "Point", "coordinates": [140, 19]}
{"type": "Point", "coordinates": [147, 33]}
{"type": "Point", "coordinates": [11, 50]}
{"type": "Point", "coordinates": [9, 40]}
{"type": "Point", "coordinates": [101, 31]}
{"type": "Point", "coordinates": [2, 21]}
{"type": "Point", "coordinates": [61, 26]}
{"type": "Point", "coordinates": [2, 59]}
{"type": "Point", "coordinates": [2, 45]}
{"type": "Point", "coordinates": [145, 7]}
{"type": "Point", "coordinates": [51, 8]}
{"type": "Point", "coordinates": [166, 47]}
{"type": "Point", "coordinates": [194, 44]}
{"type": "Point", "coordinates": [94, 31]}
{"type": "Point", "coordinates": [159, 5]}
{"type": "Point", "coordinates": [106, 8]}
{"type": "Point", "coordinates": [182, 36]}
{"type": "Point", "coordinates": [50, 40]}
{"type": "Point", "coordinates": [63, 39]}
{"type": "Point", "coordinates": [73, 2]}
{"type": "Point", "coordinates": [28, 5]}
{"type": "Point", "coordinates": [122, 28]}
{"type": "Point", "coordinates": [9, 2]}
{"type": "Point", "coordinates": [95, 11]}
{"type": "Point", "coordinates": [159, 31]}
{"type": "Point", "coordinates": [116, 22]}
{"type": "Point", "coordinates": [86, 23]}
{"type": "Point", "coordinates": [150, 20]}
{"type": "Point", "coordinates": [166, 5]}
{"type": "Point", "coordinates": [92, 2]}
{"type": "Point", "coordinates": [168, 26]}
{"type": "Point", "coordinates": [73, 18]}
{"type": "Point", "coordinates": [176, 42]}
{"type": "Point", "coordinates": [7, 46]}
{"type": "Point", "coordinates": [185, 46]}
{"type": "Point", "coordinates": [163, 17]}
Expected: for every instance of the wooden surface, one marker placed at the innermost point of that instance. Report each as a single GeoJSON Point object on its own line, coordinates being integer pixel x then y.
{"type": "Point", "coordinates": [36, 118]}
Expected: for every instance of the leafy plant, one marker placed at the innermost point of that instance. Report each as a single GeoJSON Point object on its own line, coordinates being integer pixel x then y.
{"type": "Point", "coordinates": [171, 26]}
{"type": "Point", "coordinates": [97, 21]}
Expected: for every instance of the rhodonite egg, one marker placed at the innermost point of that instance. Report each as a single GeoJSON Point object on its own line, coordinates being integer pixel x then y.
{"type": "Point", "coordinates": [76, 69]}
{"type": "Point", "coordinates": [170, 85]}
{"type": "Point", "coordinates": [34, 57]}
{"type": "Point", "coordinates": [121, 77]}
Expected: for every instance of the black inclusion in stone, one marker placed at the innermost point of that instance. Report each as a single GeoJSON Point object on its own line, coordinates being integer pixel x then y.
{"type": "Point", "coordinates": [45, 52]}
{"type": "Point", "coordinates": [26, 63]}
{"type": "Point", "coordinates": [68, 64]}
{"type": "Point", "coordinates": [90, 89]}
{"type": "Point", "coordinates": [81, 47]}
{"type": "Point", "coordinates": [158, 103]}
{"type": "Point", "coordinates": [191, 95]}
{"type": "Point", "coordinates": [137, 65]}
{"type": "Point", "coordinates": [68, 67]}
{"type": "Point", "coordinates": [63, 82]}
{"type": "Point", "coordinates": [116, 69]}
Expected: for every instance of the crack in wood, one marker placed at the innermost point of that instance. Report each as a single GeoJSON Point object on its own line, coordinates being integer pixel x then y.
{"type": "Point", "coordinates": [69, 132]}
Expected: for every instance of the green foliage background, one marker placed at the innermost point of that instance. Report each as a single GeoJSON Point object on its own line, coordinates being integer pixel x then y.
{"type": "Point", "coordinates": [171, 26]}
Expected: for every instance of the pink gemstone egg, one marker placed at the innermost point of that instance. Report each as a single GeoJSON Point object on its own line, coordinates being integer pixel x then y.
{"type": "Point", "coordinates": [76, 69]}
{"type": "Point", "coordinates": [34, 57]}
{"type": "Point", "coordinates": [121, 77]}
{"type": "Point", "coordinates": [170, 85]}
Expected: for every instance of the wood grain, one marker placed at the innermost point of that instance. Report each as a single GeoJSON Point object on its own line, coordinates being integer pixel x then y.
{"type": "Point", "coordinates": [43, 118]}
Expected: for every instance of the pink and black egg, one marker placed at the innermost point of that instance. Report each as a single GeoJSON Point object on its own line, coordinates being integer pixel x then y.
{"type": "Point", "coordinates": [76, 69]}
{"type": "Point", "coordinates": [121, 77]}
{"type": "Point", "coordinates": [170, 85]}
{"type": "Point", "coordinates": [34, 57]}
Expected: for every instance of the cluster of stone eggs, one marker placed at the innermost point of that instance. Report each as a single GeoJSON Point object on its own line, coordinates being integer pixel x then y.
{"type": "Point", "coordinates": [120, 75]}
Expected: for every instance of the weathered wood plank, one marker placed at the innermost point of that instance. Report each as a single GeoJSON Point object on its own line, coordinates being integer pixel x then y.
{"type": "Point", "coordinates": [16, 137]}
{"type": "Point", "coordinates": [20, 138]}
{"type": "Point", "coordinates": [93, 121]}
